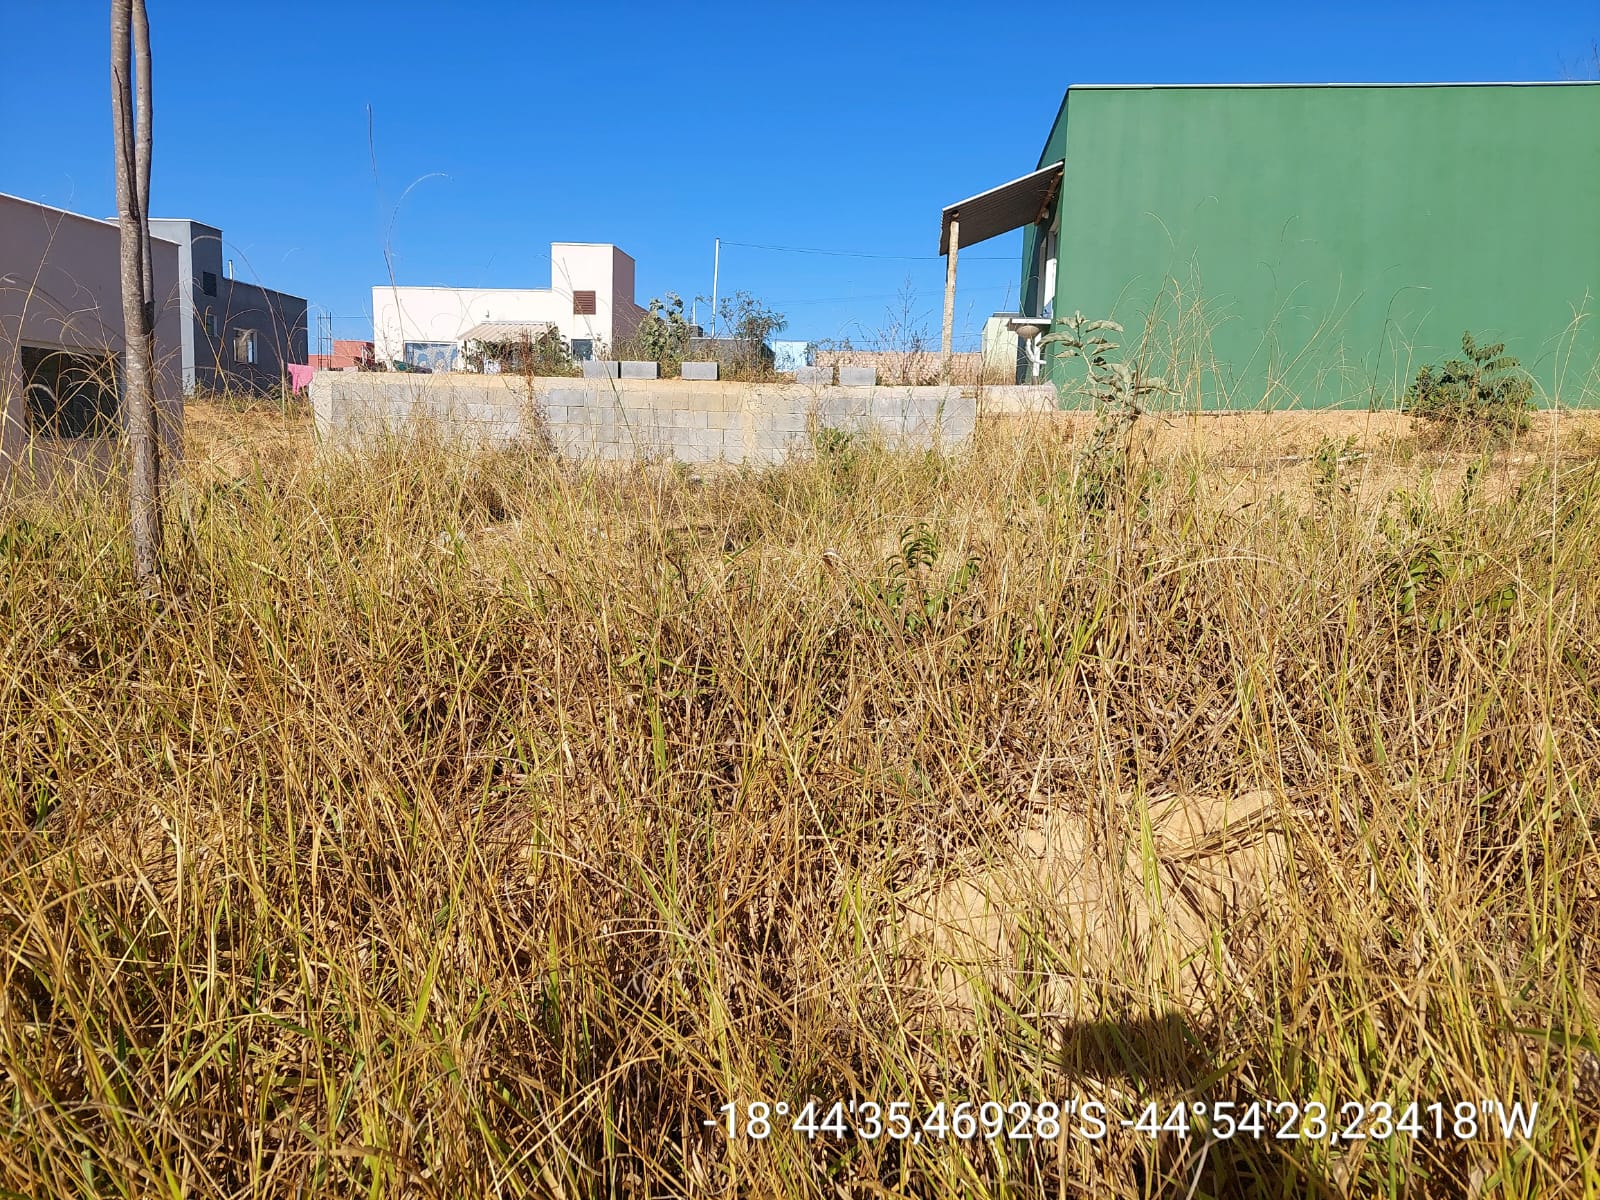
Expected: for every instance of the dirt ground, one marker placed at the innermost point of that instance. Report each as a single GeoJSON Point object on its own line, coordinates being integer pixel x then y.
{"type": "Point", "coordinates": [1246, 454]}
{"type": "Point", "coordinates": [221, 443]}
{"type": "Point", "coordinates": [1208, 863]}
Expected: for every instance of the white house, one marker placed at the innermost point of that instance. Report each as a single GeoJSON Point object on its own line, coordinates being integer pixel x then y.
{"type": "Point", "coordinates": [589, 300]}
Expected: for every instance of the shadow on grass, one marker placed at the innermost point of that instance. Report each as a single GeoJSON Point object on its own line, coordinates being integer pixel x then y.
{"type": "Point", "coordinates": [1168, 1060]}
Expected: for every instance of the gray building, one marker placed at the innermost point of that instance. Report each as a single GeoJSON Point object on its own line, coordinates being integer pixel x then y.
{"type": "Point", "coordinates": [61, 344]}
{"type": "Point", "coordinates": [236, 336]}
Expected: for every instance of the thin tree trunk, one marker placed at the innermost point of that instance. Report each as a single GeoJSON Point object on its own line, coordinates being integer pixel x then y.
{"type": "Point", "coordinates": [143, 139]}
{"type": "Point", "coordinates": [137, 293]}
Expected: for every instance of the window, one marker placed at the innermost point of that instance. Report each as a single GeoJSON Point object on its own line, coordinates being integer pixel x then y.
{"type": "Point", "coordinates": [583, 349]}
{"type": "Point", "coordinates": [68, 394]}
{"type": "Point", "coordinates": [244, 346]}
{"type": "Point", "coordinates": [583, 304]}
{"type": "Point", "coordinates": [208, 282]}
{"type": "Point", "coordinates": [431, 356]}
{"type": "Point", "coordinates": [210, 324]}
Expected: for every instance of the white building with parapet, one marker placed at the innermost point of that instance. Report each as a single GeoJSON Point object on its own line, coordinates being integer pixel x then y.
{"type": "Point", "coordinates": [589, 301]}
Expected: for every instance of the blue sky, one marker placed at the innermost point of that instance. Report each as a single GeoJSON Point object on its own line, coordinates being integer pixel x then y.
{"type": "Point", "coordinates": [500, 127]}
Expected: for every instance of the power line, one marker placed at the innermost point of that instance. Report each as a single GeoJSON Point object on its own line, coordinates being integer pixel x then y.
{"type": "Point", "coordinates": [876, 296]}
{"type": "Point", "coordinates": [862, 253]}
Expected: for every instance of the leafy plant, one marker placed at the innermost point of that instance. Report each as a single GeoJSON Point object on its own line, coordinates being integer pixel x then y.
{"type": "Point", "coordinates": [545, 355]}
{"type": "Point", "coordinates": [1119, 391]}
{"type": "Point", "coordinates": [662, 335]}
{"type": "Point", "coordinates": [1481, 390]}
{"type": "Point", "coordinates": [912, 596]}
{"type": "Point", "coordinates": [22, 539]}
{"type": "Point", "coordinates": [839, 451]}
{"type": "Point", "coordinates": [1327, 469]}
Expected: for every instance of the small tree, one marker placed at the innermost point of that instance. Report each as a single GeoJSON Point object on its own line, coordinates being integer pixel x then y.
{"type": "Point", "coordinates": [750, 321]}
{"type": "Point", "coordinates": [1482, 390]}
{"type": "Point", "coordinates": [662, 335]}
{"type": "Point", "coordinates": [1119, 391]}
{"type": "Point", "coordinates": [132, 139]}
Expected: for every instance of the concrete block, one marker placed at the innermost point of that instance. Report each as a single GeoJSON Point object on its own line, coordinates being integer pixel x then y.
{"type": "Point", "coordinates": [564, 397]}
{"type": "Point", "coordinates": [792, 422]}
{"type": "Point", "coordinates": [596, 368]}
{"type": "Point", "coordinates": [772, 439]}
{"type": "Point", "coordinates": [893, 410]}
{"type": "Point", "coordinates": [711, 454]}
{"type": "Point", "coordinates": [640, 370]}
{"type": "Point", "coordinates": [841, 412]}
{"type": "Point", "coordinates": [699, 370]}
{"type": "Point", "coordinates": [858, 376]}
{"type": "Point", "coordinates": [814, 376]}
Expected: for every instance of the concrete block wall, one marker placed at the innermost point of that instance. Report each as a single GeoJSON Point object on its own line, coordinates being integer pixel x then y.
{"type": "Point", "coordinates": [696, 422]}
{"type": "Point", "coordinates": [1019, 398]}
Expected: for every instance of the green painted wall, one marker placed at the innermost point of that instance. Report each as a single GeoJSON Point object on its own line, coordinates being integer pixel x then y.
{"type": "Point", "coordinates": [1332, 240]}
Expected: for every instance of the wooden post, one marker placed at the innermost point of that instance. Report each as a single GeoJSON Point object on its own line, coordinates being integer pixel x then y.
{"type": "Point", "coordinates": [945, 341]}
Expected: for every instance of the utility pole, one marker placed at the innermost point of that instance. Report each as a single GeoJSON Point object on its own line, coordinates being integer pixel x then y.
{"type": "Point", "coordinates": [716, 262]}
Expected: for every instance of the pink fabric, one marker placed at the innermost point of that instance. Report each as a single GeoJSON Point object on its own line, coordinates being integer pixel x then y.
{"type": "Point", "coordinates": [300, 376]}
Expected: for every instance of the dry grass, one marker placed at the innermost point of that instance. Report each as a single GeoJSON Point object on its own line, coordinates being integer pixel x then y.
{"type": "Point", "coordinates": [470, 824]}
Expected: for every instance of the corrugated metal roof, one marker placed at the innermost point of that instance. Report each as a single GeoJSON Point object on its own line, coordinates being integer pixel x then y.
{"type": "Point", "coordinates": [1002, 209]}
{"type": "Point", "coordinates": [505, 331]}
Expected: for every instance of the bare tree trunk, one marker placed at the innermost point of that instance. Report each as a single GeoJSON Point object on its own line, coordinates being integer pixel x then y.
{"type": "Point", "coordinates": [143, 139]}
{"type": "Point", "coordinates": [129, 21]}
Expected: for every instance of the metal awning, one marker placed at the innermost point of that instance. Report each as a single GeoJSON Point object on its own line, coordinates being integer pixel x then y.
{"type": "Point", "coordinates": [1002, 209]}
{"type": "Point", "coordinates": [497, 332]}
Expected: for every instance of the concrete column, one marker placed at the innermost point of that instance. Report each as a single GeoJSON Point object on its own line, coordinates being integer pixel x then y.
{"type": "Point", "coordinates": [947, 338]}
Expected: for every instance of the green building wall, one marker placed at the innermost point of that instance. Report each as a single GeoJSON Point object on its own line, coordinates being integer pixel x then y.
{"type": "Point", "coordinates": [1316, 245]}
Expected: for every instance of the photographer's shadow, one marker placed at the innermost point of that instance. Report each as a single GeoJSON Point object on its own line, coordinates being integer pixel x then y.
{"type": "Point", "coordinates": [1166, 1058]}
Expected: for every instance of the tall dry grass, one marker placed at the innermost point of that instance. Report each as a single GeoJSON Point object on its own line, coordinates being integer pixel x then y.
{"type": "Point", "coordinates": [467, 823]}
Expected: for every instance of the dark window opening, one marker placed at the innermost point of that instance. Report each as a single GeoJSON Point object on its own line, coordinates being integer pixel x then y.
{"type": "Point", "coordinates": [208, 282]}
{"type": "Point", "coordinates": [583, 304]}
{"type": "Point", "coordinates": [583, 349]}
{"type": "Point", "coordinates": [69, 395]}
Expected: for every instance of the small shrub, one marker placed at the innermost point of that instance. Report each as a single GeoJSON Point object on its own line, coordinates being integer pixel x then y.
{"type": "Point", "coordinates": [662, 335]}
{"type": "Point", "coordinates": [1327, 469]}
{"type": "Point", "coordinates": [912, 597]}
{"type": "Point", "coordinates": [838, 451]}
{"type": "Point", "coordinates": [547, 356]}
{"type": "Point", "coordinates": [751, 324]}
{"type": "Point", "coordinates": [22, 540]}
{"type": "Point", "coordinates": [1119, 391]}
{"type": "Point", "coordinates": [1482, 391]}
